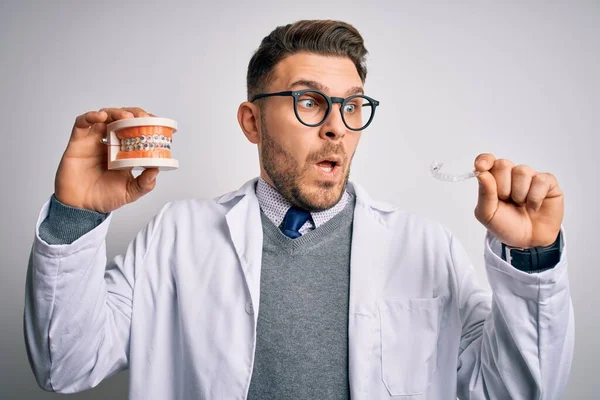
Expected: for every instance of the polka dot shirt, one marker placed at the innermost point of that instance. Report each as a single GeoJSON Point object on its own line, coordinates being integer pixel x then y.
{"type": "Point", "coordinates": [275, 206]}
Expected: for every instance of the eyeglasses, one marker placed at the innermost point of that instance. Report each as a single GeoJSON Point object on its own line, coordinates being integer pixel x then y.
{"type": "Point", "coordinates": [312, 107]}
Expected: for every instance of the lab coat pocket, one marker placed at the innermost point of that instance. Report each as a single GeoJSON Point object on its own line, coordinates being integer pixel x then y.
{"type": "Point", "coordinates": [409, 336]}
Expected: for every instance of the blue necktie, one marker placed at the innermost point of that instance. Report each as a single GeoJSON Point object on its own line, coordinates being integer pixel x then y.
{"type": "Point", "coordinates": [293, 221]}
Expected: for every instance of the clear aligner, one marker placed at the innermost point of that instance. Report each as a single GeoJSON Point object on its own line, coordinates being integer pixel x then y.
{"type": "Point", "coordinates": [436, 167]}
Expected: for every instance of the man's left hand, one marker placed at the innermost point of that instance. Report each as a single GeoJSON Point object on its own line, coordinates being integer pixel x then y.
{"type": "Point", "coordinates": [523, 208]}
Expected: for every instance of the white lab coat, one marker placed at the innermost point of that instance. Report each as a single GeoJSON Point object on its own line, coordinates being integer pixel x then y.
{"type": "Point", "coordinates": [180, 309]}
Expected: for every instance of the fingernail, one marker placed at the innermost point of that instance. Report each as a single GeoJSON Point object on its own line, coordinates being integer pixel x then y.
{"type": "Point", "coordinates": [531, 209]}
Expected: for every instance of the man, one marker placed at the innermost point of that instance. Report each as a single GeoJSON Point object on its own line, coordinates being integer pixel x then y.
{"type": "Point", "coordinates": [298, 285]}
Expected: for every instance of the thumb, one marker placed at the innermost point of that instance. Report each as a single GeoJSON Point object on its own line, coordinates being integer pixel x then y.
{"type": "Point", "coordinates": [144, 183]}
{"type": "Point", "coordinates": [487, 203]}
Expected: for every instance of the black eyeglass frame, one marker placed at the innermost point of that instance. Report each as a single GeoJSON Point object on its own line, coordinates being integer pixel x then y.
{"type": "Point", "coordinates": [330, 101]}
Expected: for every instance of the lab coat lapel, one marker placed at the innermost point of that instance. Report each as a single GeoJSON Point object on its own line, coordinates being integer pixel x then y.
{"type": "Point", "coordinates": [245, 228]}
{"type": "Point", "coordinates": [370, 241]}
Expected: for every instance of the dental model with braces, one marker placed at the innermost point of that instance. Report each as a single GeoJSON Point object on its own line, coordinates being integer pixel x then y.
{"type": "Point", "coordinates": [141, 143]}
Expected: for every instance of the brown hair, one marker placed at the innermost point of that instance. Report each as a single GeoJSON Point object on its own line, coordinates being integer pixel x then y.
{"type": "Point", "coordinates": [324, 37]}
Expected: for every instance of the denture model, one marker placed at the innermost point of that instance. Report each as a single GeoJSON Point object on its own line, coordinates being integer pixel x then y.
{"type": "Point", "coordinates": [141, 143]}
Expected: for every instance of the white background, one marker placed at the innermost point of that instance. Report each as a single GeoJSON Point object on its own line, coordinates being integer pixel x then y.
{"type": "Point", "coordinates": [518, 79]}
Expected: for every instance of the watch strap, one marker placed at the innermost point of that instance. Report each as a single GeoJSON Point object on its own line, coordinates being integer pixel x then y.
{"type": "Point", "coordinates": [535, 259]}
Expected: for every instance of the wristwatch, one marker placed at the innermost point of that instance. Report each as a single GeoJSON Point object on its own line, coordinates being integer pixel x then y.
{"type": "Point", "coordinates": [533, 259]}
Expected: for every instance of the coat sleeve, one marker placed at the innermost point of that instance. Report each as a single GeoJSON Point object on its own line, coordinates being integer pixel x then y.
{"type": "Point", "coordinates": [519, 343]}
{"type": "Point", "coordinates": [78, 307]}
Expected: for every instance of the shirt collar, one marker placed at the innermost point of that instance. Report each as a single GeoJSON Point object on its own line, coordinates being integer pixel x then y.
{"type": "Point", "coordinates": [248, 189]}
{"type": "Point", "coordinates": [275, 206]}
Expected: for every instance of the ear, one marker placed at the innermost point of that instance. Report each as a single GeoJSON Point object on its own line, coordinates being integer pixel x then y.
{"type": "Point", "coordinates": [248, 118]}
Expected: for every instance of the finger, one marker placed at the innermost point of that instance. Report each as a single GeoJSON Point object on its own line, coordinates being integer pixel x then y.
{"type": "Point", "coordinates": [502, 172]}
{"type": "Point", "coordinates": [98, 130]}
{"type": "Point", "coordinates": [543, 185]}
{"type": "Point", "coordinates": [137, 112]}
{"type": "Point", "coordinates": [83, 122]}
{"type": "Point", "coordinates": [521, 177]}
{"type": "Point", "coordinates": [143, 184]}
{"type": "Point", "coordinates": [484, 162]}
{"type": "Point", "coordinates": [115, 114]}
{"type": "Point", "coordinates": [487, 203]}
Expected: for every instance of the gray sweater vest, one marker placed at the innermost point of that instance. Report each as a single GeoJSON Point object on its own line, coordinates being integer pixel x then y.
{"type": "Point", "coordinates": [302, 332]}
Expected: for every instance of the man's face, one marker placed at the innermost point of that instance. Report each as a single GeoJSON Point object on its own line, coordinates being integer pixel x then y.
{"type": "Point", "coordinates": [309, 166]}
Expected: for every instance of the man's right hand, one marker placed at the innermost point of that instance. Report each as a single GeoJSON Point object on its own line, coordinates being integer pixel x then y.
{"type": "Point", "coordinates": [83, 179]}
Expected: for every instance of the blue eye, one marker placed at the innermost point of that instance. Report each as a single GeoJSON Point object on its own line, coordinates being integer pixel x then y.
{"type": "Point", "coordinates": [349, 108]}
{"type": "Point", "coordinates": [307, 103]}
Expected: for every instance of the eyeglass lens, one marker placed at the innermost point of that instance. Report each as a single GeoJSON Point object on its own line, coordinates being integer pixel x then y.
{"type": "Point", "coordinates": [312, 107]}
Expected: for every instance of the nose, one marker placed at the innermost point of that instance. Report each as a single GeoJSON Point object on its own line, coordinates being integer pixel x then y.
{"type": "Point", "coordinates": [334, 128]}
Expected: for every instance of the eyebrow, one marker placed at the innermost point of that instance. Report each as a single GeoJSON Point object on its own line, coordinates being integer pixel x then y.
{"type": "Point", "coordinates": [318, 86]}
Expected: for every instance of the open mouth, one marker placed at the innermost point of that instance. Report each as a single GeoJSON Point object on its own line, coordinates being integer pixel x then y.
{"type": "Point", "coordinates": [327, 166]}
{"type": "Point", "coordinates": [330, 165]}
